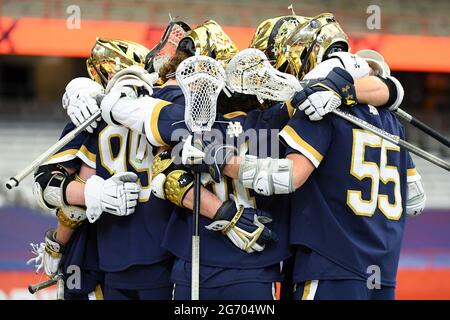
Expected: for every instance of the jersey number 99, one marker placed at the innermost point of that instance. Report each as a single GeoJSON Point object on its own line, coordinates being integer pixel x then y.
{"type": "Point", "coordinates": [119, 150]}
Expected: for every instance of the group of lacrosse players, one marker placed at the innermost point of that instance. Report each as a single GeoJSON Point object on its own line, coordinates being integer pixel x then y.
{"type": "Point", "coordinates": [288, 192]}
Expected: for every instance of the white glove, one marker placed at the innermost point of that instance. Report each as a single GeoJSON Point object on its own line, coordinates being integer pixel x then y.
{"type": "Point", "coordinates": [80, 101]}
{"type": "Point", "coordinates": [117, 195]}
{"type": "Point", "coordinates": [47, 255]}
{"type": "Point", "coordinates": [75, 85]}
{"type": "Point", "coordinates": [157, 186]}
{"type": "Point", "coordinates": [318, 104]}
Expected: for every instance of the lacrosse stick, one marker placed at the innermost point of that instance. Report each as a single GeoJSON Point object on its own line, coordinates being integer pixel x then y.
{"type": "Point", "coordinates": [249, 72]}
{"type": "Point", "coordinates": [59, 286]}
{"type": "Point", "coordinates": [201, 79]}
{"type": "Point", "coordinates": [122, 75]}
{"type": "Point", "coordinates": [166, 47]}
{"type": "Point", "coordinates": [41, 285]}
{"type": "Point", "coordinates": [58, 280]}
{"type": "Point", "coordinates": [422, 126]}
{"type": "Point", "coordinates": [14, 181]}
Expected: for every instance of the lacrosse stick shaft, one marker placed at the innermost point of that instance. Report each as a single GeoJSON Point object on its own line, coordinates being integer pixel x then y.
{"type": "Point", "coordinates": [14, 181]}
{"type": "Point", "coordinates": [60, 287]}
{"type": "Point", "coordinates": [195, 284]}
{"type": "Point", "coordinates": [41, 285]}
{"type": "Point", "coordinates": [394, 139]}
{"type": "Point", "coordinates": [422, 126]}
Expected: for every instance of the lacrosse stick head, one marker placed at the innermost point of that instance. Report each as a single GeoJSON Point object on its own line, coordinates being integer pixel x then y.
{"type": "Point", "coordinates": [110, 56]}
{"type": "Point", "coordinates": [201, 79]}
{"type": "Point", "coordinates": [165, 49]}
{"type": "Point", "coordinates": [250, 72]}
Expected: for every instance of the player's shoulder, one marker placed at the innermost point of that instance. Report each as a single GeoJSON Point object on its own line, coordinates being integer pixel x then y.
{"type": "Point", "coordinates": [170, 93]}
{"type": "Point", "coordinates": [380, 117]}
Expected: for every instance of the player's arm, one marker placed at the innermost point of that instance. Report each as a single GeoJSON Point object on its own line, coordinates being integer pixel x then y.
{"type": "Point", "coordinates": [130, 104]}
{"type": "Point", "coordinates": [346, 79]}
{"type": "Point", "coordinates": [52, 183]}
{"type": "Point", "coordinates": [371, 90]}
{"type": "Point", "coordinates": [306, 143]}
{"type": "Point", "coordinates": [75, 196]}
{"type": "Point", "coordinates": [245, 227]}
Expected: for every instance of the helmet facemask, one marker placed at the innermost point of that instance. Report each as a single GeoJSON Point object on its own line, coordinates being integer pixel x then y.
{"type": "Point", "coordinates": [167, 46]}
{"type": "Point", "coordinates": [310, 44]}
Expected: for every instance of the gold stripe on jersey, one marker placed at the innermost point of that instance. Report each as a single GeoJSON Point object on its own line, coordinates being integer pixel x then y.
{"type": "Point", "coordinates": [306, 290]}
{"type": "Point", "coordinates": [87, 153]}
{"type": "Point", "coordinates": [234, 114]}
{"type": "Point", "coordinates": [64, 153]}
{"type": "Point", "coordinates": [98, 292]}
{"type": "Point", "coordinates": [154, 122]}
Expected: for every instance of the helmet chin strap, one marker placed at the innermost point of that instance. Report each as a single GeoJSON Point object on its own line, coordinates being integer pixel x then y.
{"type": "Point", "coordinates": [208, 44]}
{"type": "Point", "coordinates": [101, 75]}
{"type": "Point", "coordinates": [306, 57]}
{"type": "Point", "coordinates": [335, 47]}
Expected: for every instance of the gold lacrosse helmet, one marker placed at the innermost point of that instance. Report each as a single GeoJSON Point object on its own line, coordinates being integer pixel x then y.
{"type": "Point", "coordinates": [110, 56]}
{"type": "Point", "coordinates": [296, 44]}
{"type": "Point", "coordinates": [311, 43]}
{"type": "Point", "coordinates": [209, 39]}
{"type": "Point", "coordinates": [272, 33]}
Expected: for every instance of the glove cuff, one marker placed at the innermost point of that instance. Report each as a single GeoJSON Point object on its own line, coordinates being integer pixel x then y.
{"type": "Point", "coordinates": [52, 246]}
{"type": "Point", "coordinates": [229, 212]}
{"type": "Point", "coordinates": [92, 195]}
{"type": "Point", "coordinates": [344, 85]}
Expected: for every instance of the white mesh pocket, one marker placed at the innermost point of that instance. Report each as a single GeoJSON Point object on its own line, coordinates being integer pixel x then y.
{"type": "Point", "coordinates": [201, 79]}
{"type": "Point", "coordinates": [250, 72]}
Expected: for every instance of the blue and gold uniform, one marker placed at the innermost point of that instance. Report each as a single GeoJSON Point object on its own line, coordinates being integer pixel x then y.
{"type": "Point", "coordinates": [226, 272]}
{"type": "Point", "coordinates": [348, 218]}
{"type": "Point", "coordinates": [81, 251]}
{"type": "Point", "coordinates": [129, 247]}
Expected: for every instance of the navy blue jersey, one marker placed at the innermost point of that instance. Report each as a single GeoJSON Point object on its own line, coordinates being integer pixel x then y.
{"type": "Point", "coordinates": [74, 153]}
{"type": "Point", "coordinates": [134, 239]}
{"type": "Point", "coordinates": [167, 127]}
{"type": "Point", "coordinates": [178, 234]}
{"type": "Point", "coordinates": [81, 251]}
{"type": "Point", "coordinates": [351, 209]}
{"type": "Point", "coordinates": [170, 93]}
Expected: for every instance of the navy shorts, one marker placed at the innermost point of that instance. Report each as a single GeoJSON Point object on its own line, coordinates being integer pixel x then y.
{"type": "Point", "coordinates": [163, 293]}
{"type": "Point", "coordinates": [341, 290]}
{"type": "Point", "coordinates": [238, 291]}
{"type": "Point", "coordinates": [95, 294]}
{"type": "Point", "coordinates": [142, 282]}
{"type": "Point", "coordinates": [225, 283]}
